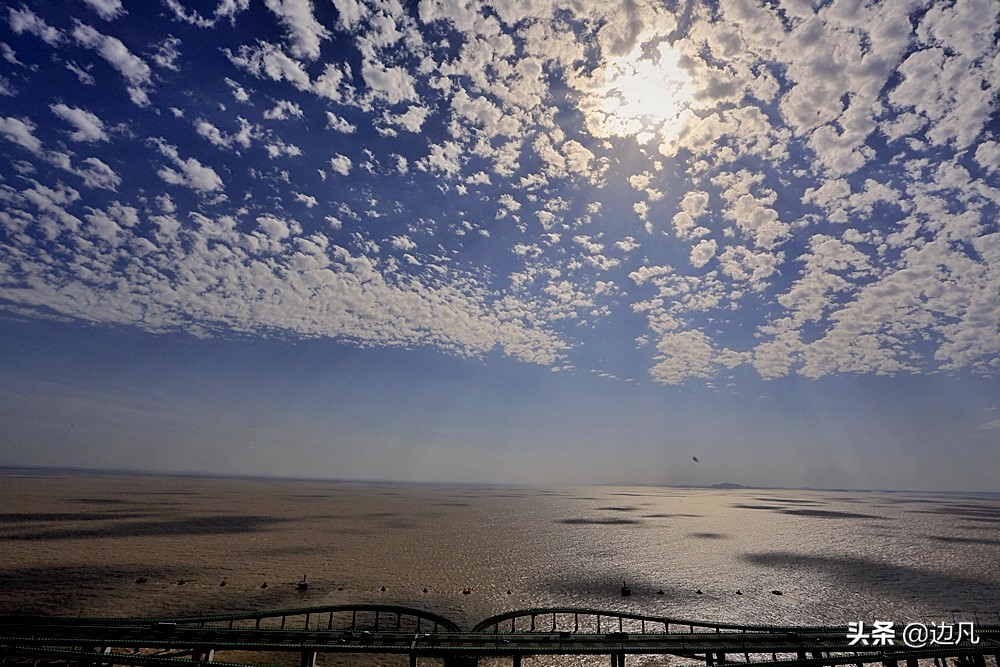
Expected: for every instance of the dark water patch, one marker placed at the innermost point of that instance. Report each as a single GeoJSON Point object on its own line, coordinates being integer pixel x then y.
{"type": "Point", "coordinates": [709, 536]}
{"type": "Point", "coordinates": [387, 520]}
{"type": "Point", "coordinates": [976, 527]}
{"type": "Point", "coordinates": [301, 550]}
{"type": "Point", "coordinates": [913, 501]}
{"type": "Point", "coordinates": [794, 501]}
{"type": "Point", "coordinates": [986, 514]}
{"type": "Point", "coordinates": [967, 510]}
{"type": "Point", "coordinates": [159, 493]}
{"type": "Point", "coordinates": [210, 525]}
{"type": "Point", "coordinates": [43, 590]}
{"type": "Point", "coordinates": [99, 501]}
{"type": "Point", "coordinates": [831, 514]}
{"type": "Point", "coordinates": [45, 517]}
{"type": "Point", "coordinates": [815, 513]}
{"type": "Point", "coordinates": [613, 508]}
{"type": "Point", "coordinates": [453, 503]}
{"type": "Point", "coordinates": [598, 522]}
{"type": "Point", "coordinates": [881, 577]}
{"type": "Point", "coordinates": [965, 540]}
{"type": "Point", "coordinates": [668, 515]}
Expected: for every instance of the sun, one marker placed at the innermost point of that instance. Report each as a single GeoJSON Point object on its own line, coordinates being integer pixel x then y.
{"type": "Point", "coordinates": [638, 95]}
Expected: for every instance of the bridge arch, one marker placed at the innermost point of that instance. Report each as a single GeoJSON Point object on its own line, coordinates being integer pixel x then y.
{"type": "Point", "coordinates": [355, 617]}
{"type": "Point", "coordinates": [575, 619]}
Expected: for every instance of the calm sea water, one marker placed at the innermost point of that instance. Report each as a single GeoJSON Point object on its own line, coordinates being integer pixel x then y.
{"type": "Point", "coordinates": [77, 544]}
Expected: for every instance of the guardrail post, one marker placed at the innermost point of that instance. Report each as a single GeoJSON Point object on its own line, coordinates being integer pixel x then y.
{"type": "Point", "coordinates": [198, 655]}
{"type": "Point", "coordinates": [307, 659]}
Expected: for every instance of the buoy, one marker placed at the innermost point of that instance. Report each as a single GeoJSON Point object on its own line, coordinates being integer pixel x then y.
{"type": "Point", "coordinates": [141, 580]}
{"type": "Point", "coordinates": [382, 589]}
{"type": "Point", "coordinates": [303, 585]}
{"type": "Point", "coordinates": [425, 590]}
{"type": "Point", "coordinates": [264, 585]}
{"type": "Point", "coordinates": [466, 591]}
{"type": "Point", "coordinates": [659, 592]}
{"type": "Point", "coordinates": [775, 592]}
{"type": "Point", "coordinates": [699, 592]}
{"type": "Point", "coordinates": [181, 582]}
{"type": "Point", "coordinates": [223, 582]}
{"type": "Point", "coordinates": [739, 592]}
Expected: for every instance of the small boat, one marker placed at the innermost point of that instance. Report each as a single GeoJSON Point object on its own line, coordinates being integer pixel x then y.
{"type": "Point", "coordinates": [626, 591]}
{"type": "Point", "coordinates": [302, 585]}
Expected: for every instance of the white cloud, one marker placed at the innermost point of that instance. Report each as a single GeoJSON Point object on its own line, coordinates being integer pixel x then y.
{"type": "Point", "coordinates": [308, 200]}
{"type": "Point", "coordinates": [341, 164]}
{"type": "Point", "coordinates": [89, 128]}
{"type": "Point", "coordinates": [703, 252]}
{"type": "Point", "coordinates": [24, 20]}
{"type": "Point", "coordinates": [108, 10]}
{"type": "Point", "coordinates": [412, 120]}
{"type": "Point", "coordinates": [391, 84]}
{"type": "Point", "coordinates": [988, 156]}
{"type": "Point", "coordinates": [225, 9]}
{"type": "Point", "coordinates": [21, 132]}
{"type": "Point", "coordinates": [167, 53]}
{"type": "Point", "coordinates": [306, 32]}
{"type": "Point", "coordinates": [192, 173]}
{"type": "Point", "coordinates": [627, 244]}
{"type": "Point", "coordinates": [97, 174]}
{"type": "Point", "coordinates": [350, 13]}
{"type": "Point", "coordinates": [283, 110]}
{"type": "Point", "coordinates": [130, 66]}
{"type": "Point", "coordinates": [338, 124]}
{"type": "Point", "coordinates": [267, 61]}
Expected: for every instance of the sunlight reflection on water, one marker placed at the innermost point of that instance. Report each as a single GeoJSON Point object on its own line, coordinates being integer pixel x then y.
{"type": "Point", "coordinates": [78, 544]}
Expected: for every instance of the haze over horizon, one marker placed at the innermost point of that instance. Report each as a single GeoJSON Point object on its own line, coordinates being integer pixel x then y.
{"type": "Point", "coordinates": [527, 242]}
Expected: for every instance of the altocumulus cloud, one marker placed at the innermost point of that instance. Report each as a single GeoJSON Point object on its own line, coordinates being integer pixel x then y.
{"type": "Point", "coordinates": [761, 185]}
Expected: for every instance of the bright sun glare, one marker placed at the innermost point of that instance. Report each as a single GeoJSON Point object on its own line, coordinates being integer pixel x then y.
{"type": "Point", "coordinates": [640, 95]}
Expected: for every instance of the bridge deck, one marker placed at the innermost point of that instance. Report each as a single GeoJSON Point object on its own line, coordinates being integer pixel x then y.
{"type": "Point", "coordinates": [311, 631]}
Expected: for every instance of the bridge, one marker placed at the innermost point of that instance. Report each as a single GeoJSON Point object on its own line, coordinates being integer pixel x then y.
{"type": "Point", "coordinates": [303, 634]}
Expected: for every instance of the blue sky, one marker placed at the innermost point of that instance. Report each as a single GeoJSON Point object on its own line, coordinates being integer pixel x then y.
{"type": "Point", "coordinates": [504, 241]}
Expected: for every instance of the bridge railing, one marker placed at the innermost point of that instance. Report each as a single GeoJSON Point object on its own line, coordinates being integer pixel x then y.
{"type": "Point", "coordinates": [581, 619]}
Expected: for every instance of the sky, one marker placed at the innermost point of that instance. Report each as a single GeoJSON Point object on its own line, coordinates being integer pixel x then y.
{"type": "Point", "coordinates": [512, 241]}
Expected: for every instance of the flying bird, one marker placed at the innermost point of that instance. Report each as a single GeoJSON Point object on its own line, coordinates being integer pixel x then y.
{"type": "Point", "coordinates": [694, 458]}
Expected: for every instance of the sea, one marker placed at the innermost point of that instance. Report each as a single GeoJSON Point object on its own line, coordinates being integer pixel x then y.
{"type": "Point", "coordinates": [104, 544]}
